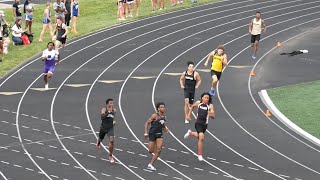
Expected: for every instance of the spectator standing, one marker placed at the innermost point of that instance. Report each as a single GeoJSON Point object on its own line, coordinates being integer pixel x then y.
{"type": "Point", "coordinates": [2, 20]}
{"type": "Point", "coordinates": [28, 11]}
{"type": "Point", "coordinates": [138, 7]}
{"type": "Point", "coordinates": [60, 9]}
{"type": "Point", "coordinates": [46, 22]}
{"type": "Point", "coordinates": [68, 15]}
{"type": "Point", "coordinates": [17, 9]}
{"type": "Point", "coordinates": [75, 12]}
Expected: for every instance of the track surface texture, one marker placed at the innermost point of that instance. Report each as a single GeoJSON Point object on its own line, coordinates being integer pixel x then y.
{"type": "Point", "coordinates": [52, 134]}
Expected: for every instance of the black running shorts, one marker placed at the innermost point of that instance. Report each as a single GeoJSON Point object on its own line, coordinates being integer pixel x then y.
{"type": "Point", "coordinates": [218, 74]}
{"type": "Point", "coordinates": [105, 131]}
{"type": "Point", "coordinates": [189, 95]}
{"type": "Point", "coordinates": [153, 136]}
{"type": "Point", "coordinates": [255, 38]}
{"type": "Point", "coordinates": [201, 127]}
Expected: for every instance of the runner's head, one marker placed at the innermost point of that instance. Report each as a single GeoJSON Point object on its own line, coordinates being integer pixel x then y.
{"type": "Point", "coordinates": [206, 98]}
{"type": "Point", "coordinates": [160, 107]}
{"type": "Point", "coordinates": [48, 4]}
{"type": "Point", "coordinates": [220, 49]}
{"type": "Point", "coordinates": [50, 45]}
{"type": "Point", "coordinates": [190, 66]}
{"type": "Point", "coordinates": [59, 20]}
{"type": "Point", "coordinates": [258, 14]}
{"type": "Point", "coordinates": [109, 102]}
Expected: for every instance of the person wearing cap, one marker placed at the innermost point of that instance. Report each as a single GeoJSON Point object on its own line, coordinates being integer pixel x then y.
{"type": "Point", "coordinates": [1, 33]}
{"type": "Point", "coordinates": [17, 32]}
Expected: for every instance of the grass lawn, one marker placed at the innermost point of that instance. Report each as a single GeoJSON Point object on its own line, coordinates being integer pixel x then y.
{"type": "Point", "coordinates": [300, 103]}
{"type": "Point", "coordinates": [94, 15]}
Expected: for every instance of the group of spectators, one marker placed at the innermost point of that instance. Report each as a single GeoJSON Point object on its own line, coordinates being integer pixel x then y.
{"type": "Point", "coordinates": [126, 7]}
{"type": "Point", "coordinates": [65, 12]}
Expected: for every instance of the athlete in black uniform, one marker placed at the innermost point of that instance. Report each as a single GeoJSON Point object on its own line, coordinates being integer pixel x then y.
{"type": "Point", "coordinates": [158, 123]}
{"type": "Point", "coordinates": [205, 110]}
{"type": "Point", "coordinates": [106, 128]}
{"type": "Point", "coordinates": [190, 80]}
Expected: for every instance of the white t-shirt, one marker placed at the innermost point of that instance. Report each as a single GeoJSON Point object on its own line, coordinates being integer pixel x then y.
{"type": "Point", "coordinates": [50, 55]}
{"type": "Point", "coordinates": [29, 8]}
{"type": "Point", "coordinates": [16, 29]}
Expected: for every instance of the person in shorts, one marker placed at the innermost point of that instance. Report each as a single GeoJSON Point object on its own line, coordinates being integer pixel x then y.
{"type": "Point", "coordinates": [205, 110]}
{"type": "Point", "coordinates": [107, 126]}
{"type": "Point", "coordinates": [255, 27]}
{"type": "Point", "coordinates": [50, 58]}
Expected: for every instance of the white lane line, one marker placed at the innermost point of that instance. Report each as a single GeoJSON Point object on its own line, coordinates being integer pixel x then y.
{"type": "Point", "coordinates": [123, 138]}
{"type": "Point", "coordinates": [130, 152]}
{"type": "Point", "coordinates": [105, 174]}
{"type": "Point", "coordinates": [44, 119]}
{"type": "Point", "coordinates": [66, 164]}
{"type": "Point", "coordinates": [68, 125]}
{"type": "Point", "coordinates": [134, 141]}
{"type": "Point", "coordinates": [27, 140]}
{"type": "Point", "coordinates": [184, 152]}
{"type": "Point", "coordinates": [36, 129]}
{"type": "Point", "coordinates": [33, 170]}
{"type": "Point", "coordinates": [15, 150]}
{"type": "Point", "coordinates": [38, 143]}
{"type": "Point", "coordinates": [5, 162]}
{"type": "Point", "coordinates": [226, 162]}
{"type": "Point", "coordinates": [254, 168]}
{"type": "Point", "coordinates": [18, 166]}
{"type": "Point", "coordinates": [52, 160]}
{"type": "Point", "coordinates": [284, 176]}
{"type": "Point", "coordinates": [54, 176]}
{"type": "Point", "coordinates": [91, 156]}
{"type": "Point", "coordinates": [198, 169]}
{"type": "Point", "coordinates": [76, 127]}
{"type": "Point", "coordinates": [143, 155]}
{"type": "Point", "coordinates": [171, 162]}
{"type": "Point", "coordinates": [238, 165]}
{"type": "Point", "coordinates": [120, 178]}
{"type": "Point", "coordinates": [213, 172]}
{"type": "Point", "coordinates": [133, 166]}
{"type": "Point", "coordinates": [87, 130]}
{"type": "Point", "coordinates": [211, 158]}
{"type": "Point", "coordinates": [53, 146]}
{"type": "Point", "coordinates": [25, 127]}
{"type": "Point", "coordinates": [78, 153]}
{"type": "Point", "coordinates": [82, 141]}
{"type": "Point", "coordinates": [147, 170]}
{"type": "Point", "coordinates": [47, 132]}
{"type": "Point", "coordinates": [5, 110]}
{"type": "Point", "coordinates": [40, 157]}
{"type": "Point", "coordinates": [118, 149]}
{"type": "Point", "coordinates": [172, 149]}
{"type": "Point", "coordinates": [15, 137]}
{"type": "Point", "coordinates": [163, 174]}
{"type": "Point", "coordinates": [177, 178]}
{"type": "Point", "coordinates": [34, 117]}
{"type": "Point", "coordinates": [184, 165]}
{"type": "Point", "coordinates": [4, 134]}
{"type": "Point", "coordinates": [5, 122]}
{"type": "Point", "coordinates": [26, 115]}
{"type": "Point", "coordinates": [92, 171]}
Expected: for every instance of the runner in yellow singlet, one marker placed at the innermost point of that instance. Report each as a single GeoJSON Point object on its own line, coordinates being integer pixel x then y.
{"type": "Point", "coordinates": [219, 58]}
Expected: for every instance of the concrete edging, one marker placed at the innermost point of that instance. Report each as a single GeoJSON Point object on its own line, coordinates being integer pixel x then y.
{"type": "Point", "coordinates": [274, 110]}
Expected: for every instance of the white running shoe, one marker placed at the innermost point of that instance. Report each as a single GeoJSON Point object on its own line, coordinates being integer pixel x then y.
{"type": "Point", "coordinates": [200, 158]}
{"type": "Point", "coordinates": [46, 87]}
{"type": "Point", "coordinates": [151, 168]}
{"type": "Point", "coordinates": [186, 121]}
{"type": "Point", "coordinates": [111, 159]}
{"type": "Point", "coordinates": [187, 134]}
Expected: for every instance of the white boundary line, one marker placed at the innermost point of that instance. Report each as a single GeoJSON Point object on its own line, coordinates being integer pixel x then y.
{"type": "Point", "coordinates": [4, 177]}
{"type": "Point", "coordinates": [275, 111]}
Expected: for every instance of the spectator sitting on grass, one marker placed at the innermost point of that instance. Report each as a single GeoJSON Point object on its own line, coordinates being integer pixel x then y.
{"type": "Point", "coordinates": [60, 9]}
{"type": "Point", "coordinates": [17, 32]}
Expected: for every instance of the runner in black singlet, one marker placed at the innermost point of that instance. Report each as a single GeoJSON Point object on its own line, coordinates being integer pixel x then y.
{"type": "Point", "coordinates": [158, 124]}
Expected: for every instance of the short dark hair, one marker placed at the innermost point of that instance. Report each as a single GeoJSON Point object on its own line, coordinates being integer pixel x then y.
{"type": "Point", "coordinates": [108, 100]}
{"type": "Point", "coordinates": [158, 104]}
{"type": "Point", "coordinates": [258, 12]}
{"type": "Point", "coordinates": [190, 62]}
{"type": "Point", "coordinates": [210, 97]}
{"type": "Point", "coordinates": [50, 43]}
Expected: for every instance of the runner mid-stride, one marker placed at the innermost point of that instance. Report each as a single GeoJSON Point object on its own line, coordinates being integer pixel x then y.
{"type": "Point", "coordinates": [190, 80]}
{"type": "Point", "coordinates": [255, 27]}
{"type": "Point", "coordinates": [204, 111]}
{"type": "Point", "coordinates": [50, 58]}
